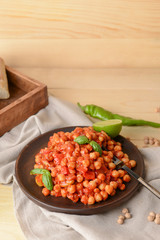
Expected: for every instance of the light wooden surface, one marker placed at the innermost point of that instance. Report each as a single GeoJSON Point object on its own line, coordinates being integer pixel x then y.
{"type": "Point", "coordinates": [80, 19]}
{"type": "Point", "coordinates": [106, 87]}
{"type": "Point", "coordinates": [89, 51]}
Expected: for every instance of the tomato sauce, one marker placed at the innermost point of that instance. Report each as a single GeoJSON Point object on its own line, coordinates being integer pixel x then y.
{"type": "Point", "coordinates": [78, 172]}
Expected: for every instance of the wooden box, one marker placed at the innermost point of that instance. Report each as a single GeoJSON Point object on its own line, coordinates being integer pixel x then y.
{"type": "Point", "coordinates": [27, 97]}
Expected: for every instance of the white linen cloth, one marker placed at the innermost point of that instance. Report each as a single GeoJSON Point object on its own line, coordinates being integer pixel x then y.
{"type": "Point", "coordinates": [39, 224]}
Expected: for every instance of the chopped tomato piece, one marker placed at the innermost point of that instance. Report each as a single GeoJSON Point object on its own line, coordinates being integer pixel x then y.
{"type": "Point", "coordinates": [89, 175]}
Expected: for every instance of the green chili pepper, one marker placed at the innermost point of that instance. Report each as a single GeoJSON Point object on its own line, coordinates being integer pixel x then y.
{"type": "Point", "coordinates": [46, 177]}
{"type": "Point", "coordinates": [102, 114]}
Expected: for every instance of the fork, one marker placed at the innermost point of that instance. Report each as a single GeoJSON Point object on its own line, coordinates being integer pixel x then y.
{"type": "Point", "coordinates": [119, 164]}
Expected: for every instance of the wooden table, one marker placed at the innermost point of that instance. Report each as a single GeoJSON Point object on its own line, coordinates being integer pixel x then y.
{"type": "Point", "coordinates": [101, 52]}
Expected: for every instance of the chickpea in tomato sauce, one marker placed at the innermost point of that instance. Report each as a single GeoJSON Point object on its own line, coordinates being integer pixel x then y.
{"type": "Point", "coordinates": [80, 173]}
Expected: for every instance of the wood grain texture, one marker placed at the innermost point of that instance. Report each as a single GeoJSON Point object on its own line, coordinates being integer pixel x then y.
{"type": "Point", "coordinates": [82, 53]}
{"type": "Point", "coordinates": [96, 78]}
{"type": "Point", "coordinates": [9, 227]}
{"type": "Point", "coordinates": [82, 19]}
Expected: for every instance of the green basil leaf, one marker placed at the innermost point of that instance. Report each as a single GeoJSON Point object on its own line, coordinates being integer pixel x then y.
{"type": "Point", "coordinates": [81, 140]}
{"type": "Point", "coordinates": [47, 180]}
{"type": "Point", "coordinates": [96, 147]}
{"type": "Point", "coordinates": [39, 171]}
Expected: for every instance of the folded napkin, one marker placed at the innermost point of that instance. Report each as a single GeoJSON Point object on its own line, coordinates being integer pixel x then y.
{"type": "Point", "coordinates": [38, 223]}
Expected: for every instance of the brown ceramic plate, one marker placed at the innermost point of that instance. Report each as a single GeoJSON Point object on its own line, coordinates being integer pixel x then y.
{"type": "Point", "coordinates": [25, 163]}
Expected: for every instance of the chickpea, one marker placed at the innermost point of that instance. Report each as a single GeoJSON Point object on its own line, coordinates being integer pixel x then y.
{"type": "Point", "coordinates": [89, 147]}
{"type": "Point", "coordinates": [84, 199]}
{"type": "Point", "coordinates": [119, 181]}
{"type": "Point", "coordinates": [110, 147]}
{"type": "Point", "coordinates": [157, 143]}
{"type": "Point", "coordinates": [98, 197]}
{"type": "Point", "coordinates": [58, 167]}
{"type": "Point", "coordinates": [64, 193]}
{"type": "Point", "coordinates": [110, 154]}
{"type": "Point", "coordinates": [150, 218]}
{"type": "Point", "coordinates": [158, 215]}
{"type": "Point", "coordinates": [91, 200]}
{"type": "Point", "coordinates": [79, 187]}
{"type": "Point", "coordinates": [102, 186]}
{"type": "Point", "coordinates": [113, 193]}
{"type": "Point", "coordinates": [146, 140]}
{"type": "Point", "coordinates": [117, 148]}
{"type": "Point", "coordinates": [38, 158]}
{"type": "Point", "coordinates": [105, 153]}
{"type": "Point", "coordinates": [133, 163]}
{"type": "Point", "coordinates": [84, 151]}
{"type": "Point", "coordinates": [153, 214]}
{"type": "Point", "coordinates": [119, 154]}
{"type": "Point", "coordinates": [101, 139]}
{"type": "Point", "coordinates": [109, 189]}
{"type": "Point", "coordinates": [92, 184]}
{"type": "Point", "coordinates": [101, 176]}
{"type": "Point", "coordinates": [111, 142]}
{"type": "Point", "coordinates": [71, 188]}
{"type": "Point", "coordinates": [97, 181]}
{"type": "Point", "coordinates": [86, 163]}
{"type": "Point", "coordinates": [52, 193]}
{"type": "Point", "coordinates": [115, 174]}
{"type": "Point", "coordinates": [107, 159]}
{"type": "Point", "coordinates": [64, 162]}
{"type": "Point", "coordinates": [125, 210]}
{"type": "Point", "coordinates": [89, 136]}
{"type": "Point", "coordinates": [122, 187]}
{"type": "Point", "coordinates": [126, 178]}
{"type": "Point", "coordinates": [151, 141]}
{"type": "Point", "coordinates": [69, 182]}
{"type": "Point", "coordinates": [114, 184]}
{"type": "Point", "coordinates": [126, 155]}
{"type": "Point", "coordinates": [86, 183]}
{"type": "Point", "coordinates": [92, 166]}
{"type": "Point", "coordinates": [128, 215]}
{"type": "Point", "coordinates": [93, 155]}
{"type": "Point", "coordinates": [125, 159]}
{"type": "Point", "coordinates": [79, 178]}
{"type": "Point", "coordinates": [61, 177]}
{"type": "Point", "coordinates": [71, 165]}
{"type": "Point", "coordinates": [97, 165]}
{"type": "Point", "coordinates": [122, 217]}
{"type": "Point", "coordinates": [120, 221]}
{"type": "Point", "coordinates": [45, 191]}
{"type": "Point", "coordinates": [157, 221]}
{"type": "Point", "coordinates": [72, 171]}
{"type": "Point", "coordinates": [111, 165]}
{"type": "Point", "coordinates": [100, 159]}
{"type": "Point", "coordinates": [57, 188]}
{"type": "Point", "coordinates": [104, 195]}
{"type": "Point", "coordinates": [128, 165]}
{"type": "Point", "coordinates": [121, 173]}
{"type": "Point", "coordinates": [38, 166]}
{"type": "Point", "coordinates": [96, 190]}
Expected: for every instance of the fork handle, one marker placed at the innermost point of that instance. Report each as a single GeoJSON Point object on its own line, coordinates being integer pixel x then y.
{"type": "Point", "coordinates": [143, 182]}
{"type": "Point", "coordinates": [149, 187]}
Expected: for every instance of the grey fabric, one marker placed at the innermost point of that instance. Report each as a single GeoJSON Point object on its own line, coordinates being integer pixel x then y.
{"type": "Point", "coordinates": [38, 223]}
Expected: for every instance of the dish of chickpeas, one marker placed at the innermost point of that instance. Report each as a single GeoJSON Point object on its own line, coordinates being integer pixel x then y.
{"type": "Point", "coordinates": [76, 164]}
